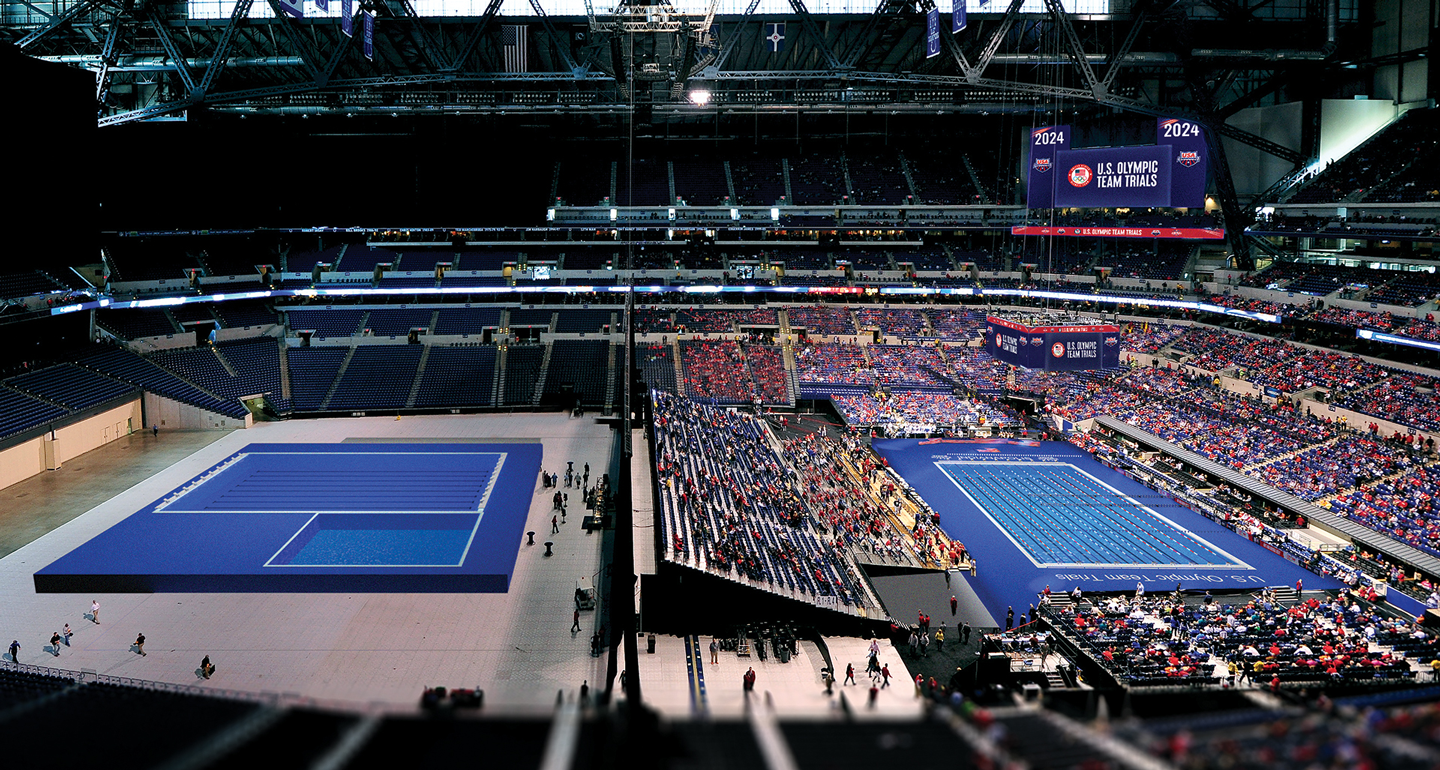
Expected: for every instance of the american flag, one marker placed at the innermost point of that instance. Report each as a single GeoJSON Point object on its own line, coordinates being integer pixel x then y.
{"type": "Point", "coordinates": [516, 46]}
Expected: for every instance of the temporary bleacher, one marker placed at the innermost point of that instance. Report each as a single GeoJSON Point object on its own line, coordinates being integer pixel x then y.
{"type": "Point", "coordinates": [20, 412]}
{"type": "Point", "coordinates": [71, 386]}
{"type": "Point", "coordinates": [129, 367]}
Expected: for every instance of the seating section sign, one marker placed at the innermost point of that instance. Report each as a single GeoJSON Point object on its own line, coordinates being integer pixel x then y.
{"type": "Point", "coordinates": [1053, 348]}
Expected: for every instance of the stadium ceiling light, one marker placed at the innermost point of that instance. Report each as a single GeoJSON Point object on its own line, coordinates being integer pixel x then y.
{"type": "Point", "coordinates": [699, 97]}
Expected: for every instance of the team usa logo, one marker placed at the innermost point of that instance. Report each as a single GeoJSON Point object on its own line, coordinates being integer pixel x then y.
{"type": "Point", "coordinates": [1111, 342]}
{"type": "Point", "coordinates": [1042, 164]}
{"type": "Point", "coordinates": [1188, 159]}
{"type": "Point", "coordinates": [1037, 341]}
{"type": "Point", "coordinates": [1057, 350]}
{"type": "Point", "coordinates": [1024, 341]}
{"type": "Point", "coordinates": [1080, 175]}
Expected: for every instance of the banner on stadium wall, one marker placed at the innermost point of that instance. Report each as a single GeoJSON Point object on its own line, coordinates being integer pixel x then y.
{"type": "Point", "coordinates": [346, 24]}
{"type": "Point", "coordinates": [957, 17]}
{"type": "Point", "coordinates": [1053, 348]}
{"type": "Point", "coordinates": [1113, 177]}
{"type": "Point", "coordinates": [1177, 233]}
{"type": "Point", "coordinates": [1045, 142]}
{"type": "Point", "coordinates": [294, 8]}
{"type": "Point", "coordinates": [323, 5]}
{"type": "Point", "coordinates": [932, 33]}
{"type": "Point", "coordinates": [1187, 178]}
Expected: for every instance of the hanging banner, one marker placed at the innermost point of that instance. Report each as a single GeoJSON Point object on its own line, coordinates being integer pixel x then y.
{"type": "Point", "coordinates": [346, 24]}
{"type": "Point", "coordinates": [957, 17]}
{"type": "Point", "coordinates": [293, 8]}
{"type": "Point", "coordinates": [1187, 177]}
{"type": "Point", "coordinates": [1044, 143]}
{"type": "Point", "coordinates": [932, 33]}
{"type": "Point", "coordinates": [1113, 177]}
{"type": "Point", "coordinates": [368, 35]}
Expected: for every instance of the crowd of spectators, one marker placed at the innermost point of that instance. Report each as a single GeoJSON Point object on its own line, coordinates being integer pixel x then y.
{"type": "Point", "coordinates": [833, 363]}
{"type": "Point", "coordinates": [919, 408]}
{"type": "Point", "coordinates": [767, 372]}
{"type": "Point", "coordinates": [1402, 507]}
{"type": "Point", "coordinates": [909, 365]}
{"type": "Point", "coordinates": [714, 371]}
{"type": "Point", "coordinates": [1409, 399]}
{"type": "Point", "coordinates": [731, 504]}
{"type": "Point", "coordinates": [1163, 640]}
{"type": "Point", "coordinates": [822, 319]}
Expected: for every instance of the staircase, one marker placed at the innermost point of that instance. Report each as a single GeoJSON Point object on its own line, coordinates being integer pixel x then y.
{"type": "Point", "coordinates": [670, 175]}
{"type": "Point", "coordinates": [1208, 259]}
{"type": "Point", "coordinates": [497, 391]}
{"type": "Point", "coordinates": [909, 180]}
{"type": "Point", "coordinates": [679, 367]}
{"type": "Point", "coordinates": [730, 185]}
{"type": "Point", "coordinates": [792, 378]}
{"type": "Point", "coordinates": [1271, 461]}
{"type": "Point", "coordinates": [610, 381]}
{"type": "Point", "coordinates": [284, 368]}
{"type": "Point", "coordinates": [975, 178]}
{"type": "Point", "coordinates": [613, 170]}
{"type": "Point", "coordinates": [225, 362]}
{"type": "Point", "coordinates": [544, 369]}
{"type": "Point", "coordinates": [555, 183]}
{"type": "Point", "coordinates": [419, 375]}
{"type": "Point", "coordinates": [339, 375]}
{"type": "Point", "coordinates": [785, 170]}
{"type": "Point", "coordinates": [845, 172]}
{"type": "Point", "coordinates": [430, 329]}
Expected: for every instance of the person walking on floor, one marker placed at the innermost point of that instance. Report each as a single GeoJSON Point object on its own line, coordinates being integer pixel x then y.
{"type": "Point", "coordinates": [554, 524]}
{"type": "Point", "coordinates": [206, 669]}
{"type": "Point", "coordinates": [849, 673]}
{"type": "Point", "coordinates": [575, 626]}
{"type": "Point", "coordinates": [140, 644]}
{"type": "Point", "coordinates": [66, 633]}
{"type": "Point", "coordinates": [874, 693]}
{"type": "Point", "coordinates": [749, 680]}
{"type": "Point", "coordinates": [953, 604]}
{"type": "Point", "coordinates": [940, 640]}
{"type": "Point", "coordinates": [55, 643]}
{"type": "Point", "coordinates": [95, 610]}
{"type": "Point", "coordinates": [885, 674]}
{"type": "Point", "coordinates": [1009, 618]}
{"type": "Point", "coordinates": [714, 652]}
{"type": "Point", "coordinates": [15, 651]}
{"type": "Point", "coordinates": [965, 633]}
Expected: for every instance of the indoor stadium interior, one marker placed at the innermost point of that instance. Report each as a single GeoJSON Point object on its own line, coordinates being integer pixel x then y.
{"type": "Point", "coordinates": [1026, 384]}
